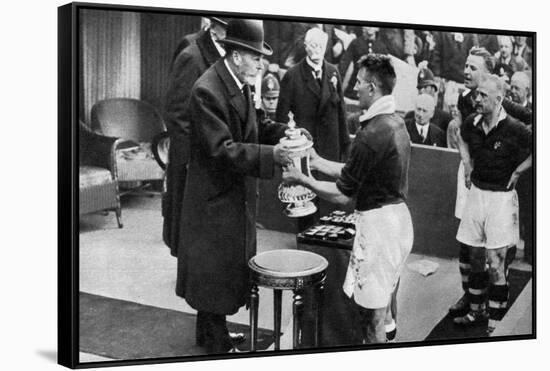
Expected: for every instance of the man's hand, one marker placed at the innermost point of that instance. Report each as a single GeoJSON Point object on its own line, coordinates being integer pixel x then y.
{"type": "Point", "coordinates": [513, 180]}
{"type": "Point", "coordinates": [467, 174]}
{"type": "Point", "coordinates": [281, 155]}
{"type": "Point", "coordinates": [292, 175]}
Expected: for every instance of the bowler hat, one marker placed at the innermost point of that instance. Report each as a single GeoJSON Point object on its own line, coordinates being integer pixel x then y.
{"type": "Point", "coordinates": [247, 34]}
{"type": "Point", "coordinates": [222, 21]}
{"type": "Point", "coordinates": [270, 86]}
{"type": "Point", "coordinates": [425, 78]}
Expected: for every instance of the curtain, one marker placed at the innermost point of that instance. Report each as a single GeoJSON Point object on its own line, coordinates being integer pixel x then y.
{"type": "Point", "coordinates": [109, 57]}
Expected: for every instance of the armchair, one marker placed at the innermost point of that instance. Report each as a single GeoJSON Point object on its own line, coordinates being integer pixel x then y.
{"type": "Point", "coordinates": [137, 123]}
{"type": "Point", "coordinates": [98, 184]}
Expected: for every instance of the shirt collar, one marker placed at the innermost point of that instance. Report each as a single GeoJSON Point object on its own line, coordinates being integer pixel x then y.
{"type": "Point", "coordinates": [219, 48]}
{"type": "Point", "coordinates": [501, 116]}
{"type": "Point", "coordinates": [315, 67]}
{"type": "Point", "coordinates": [384, 105]}
{"type": "Point", "coordinates": [239, 84]}
{"type": "Point", "coordinates": [466, 92]}
{"type": "Point", "coordinates": [421, 127]}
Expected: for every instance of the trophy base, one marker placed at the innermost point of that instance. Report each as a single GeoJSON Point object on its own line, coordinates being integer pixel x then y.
{"type": "Point", "coordinates": [297, 210]}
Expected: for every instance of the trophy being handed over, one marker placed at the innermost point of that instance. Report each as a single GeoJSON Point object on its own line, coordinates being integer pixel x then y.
{"type": "Point", "coordinates": [297, 197]}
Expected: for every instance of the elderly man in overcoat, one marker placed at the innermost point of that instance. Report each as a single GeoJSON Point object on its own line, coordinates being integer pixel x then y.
{"type": "Point", "coordinates": [218, 226]}
{"type": "Point", "coordinates": [312, 91]}
{"type": "Point", "coordinates": [188, 66]}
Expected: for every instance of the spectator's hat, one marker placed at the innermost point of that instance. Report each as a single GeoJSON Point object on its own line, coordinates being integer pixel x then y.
{"type": "Point", "coordinates": [219, 20]}
{"type": "Point", "coordinates": [270, 86]}
{"type": "Point", "coordinates": [247, 34]}
{"type": "Point", "coordinates": [426, 78]}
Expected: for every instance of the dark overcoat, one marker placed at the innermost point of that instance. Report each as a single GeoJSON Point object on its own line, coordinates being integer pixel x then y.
{"type": "Point", "coordinates": [188, 66]}
{"type": "Point", "coordinates": [218, 226]}
{"type": "Point", "coordinates": [319, 109]}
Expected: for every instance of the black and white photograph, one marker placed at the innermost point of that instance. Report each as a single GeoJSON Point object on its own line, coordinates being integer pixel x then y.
{"type": "Point", "coordinates": [251, 184]}
{"type": "Point", "coordinates": [257, 186]}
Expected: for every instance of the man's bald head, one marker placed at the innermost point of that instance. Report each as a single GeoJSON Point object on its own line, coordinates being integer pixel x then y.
{"type": "Point", "coordinates": [316, 44]}
{"type": "Point", "coordinates": [424, 109]}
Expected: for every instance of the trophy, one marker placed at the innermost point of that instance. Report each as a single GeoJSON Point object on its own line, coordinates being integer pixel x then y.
{"type": "Point", "coordinates": [297, 197]}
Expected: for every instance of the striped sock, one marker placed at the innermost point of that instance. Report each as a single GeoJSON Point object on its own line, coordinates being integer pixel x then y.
{"type": "Point", "coordinates": [498, 302]}
{"type": "Point", "coordinates": [477, 291]}
{"type": "Point", "coordinates": [464, 265]}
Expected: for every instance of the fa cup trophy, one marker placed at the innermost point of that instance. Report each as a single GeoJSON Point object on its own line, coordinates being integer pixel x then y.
{"type": "Point", "coordinates": [297, 197]}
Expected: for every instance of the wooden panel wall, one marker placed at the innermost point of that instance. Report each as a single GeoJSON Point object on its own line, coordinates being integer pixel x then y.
{"type": "Point", "coordinates": [109, 57]}
{"type": "Point", "coordinates": [160, 34]}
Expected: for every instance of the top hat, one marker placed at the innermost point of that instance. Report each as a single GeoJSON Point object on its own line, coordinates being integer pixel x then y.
{"type": "Point", "coordinates": [270, 86]}
{"type": "Point", "coordinates": [425, 78]}
{"type": "Point", "coordinates": [222, 21]}
{"type": "Point", "coordinates": [247, 34]}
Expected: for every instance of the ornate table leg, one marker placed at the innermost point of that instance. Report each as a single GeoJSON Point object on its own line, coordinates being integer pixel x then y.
{"type": "Point", "coordinates": [254, 299]}
{"type": "Point", "coordinates": [297, 308]}
{"type": "Point", "coordinates": [319, 317]}
{"type": "Point", "coordinates": [277, 296]}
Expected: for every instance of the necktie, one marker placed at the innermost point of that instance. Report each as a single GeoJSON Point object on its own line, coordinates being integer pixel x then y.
{"type": "Point", "coordinates": [423, 133]}
{"type": "Point", "coordinates": [246, 93]}
{"type": "Point", "coordinates": [317, 75]}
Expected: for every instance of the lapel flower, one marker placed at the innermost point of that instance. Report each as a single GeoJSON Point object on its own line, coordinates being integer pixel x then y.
{"type": "Point", "coordinates": [334, 81]}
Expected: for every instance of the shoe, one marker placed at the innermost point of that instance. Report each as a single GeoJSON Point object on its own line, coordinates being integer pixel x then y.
{"type": "Point", "coordinates": [472, 318]}
{"type": "Point", "coordinates": [235, 350]}
{"type": "Point", "coordinates": [237, 337]}
{"type": "Point", "coordinates": [461, 307]}
{"type": "Point", "coordinates": [390, 336]}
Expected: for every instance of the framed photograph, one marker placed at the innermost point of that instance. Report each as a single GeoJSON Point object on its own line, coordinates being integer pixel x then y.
{"type": "Point", "coordinates": [247, 185]}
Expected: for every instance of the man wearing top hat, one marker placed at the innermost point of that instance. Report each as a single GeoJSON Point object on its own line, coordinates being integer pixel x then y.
{"type": "Point", "coordinates": [229, 150]}
{"type": "Point", "coordinates": [188, 66]}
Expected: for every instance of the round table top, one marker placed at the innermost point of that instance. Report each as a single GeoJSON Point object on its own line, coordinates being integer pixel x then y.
{"type": "Point", "coordinates": [288, 263]}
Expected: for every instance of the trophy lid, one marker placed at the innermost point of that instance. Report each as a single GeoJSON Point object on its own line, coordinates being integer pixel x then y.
{"type": "Point", "coordinates": [294, 139]}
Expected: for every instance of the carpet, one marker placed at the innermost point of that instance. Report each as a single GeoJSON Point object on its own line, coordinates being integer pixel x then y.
{"type": "Point", "coordinates": [125, 330]}
{"type": "Point", "coordinates": [446, 329]}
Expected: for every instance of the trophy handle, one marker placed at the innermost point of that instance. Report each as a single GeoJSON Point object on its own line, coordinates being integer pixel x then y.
{"type": "Point", "coordinates": [307, 165]}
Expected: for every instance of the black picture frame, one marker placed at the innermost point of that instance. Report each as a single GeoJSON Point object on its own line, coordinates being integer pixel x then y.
{"type": "Point", "coordinates": [69, 111]}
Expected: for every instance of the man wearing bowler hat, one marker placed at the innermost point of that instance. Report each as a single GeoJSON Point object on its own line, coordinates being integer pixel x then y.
{"type": "Point", "coordinates": [229, 150]}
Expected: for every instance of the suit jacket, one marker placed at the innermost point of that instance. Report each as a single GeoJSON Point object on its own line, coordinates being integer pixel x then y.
{"type": "Point", "coordinates": [218, 227]}
{"type": "Point", "coordinates": [188, 66]}
{"type": "Point", "coordinates": [436, 137]}
{"type": "Point", "coordinates": [317, 108]}
{"type": "Point", "coordinates": [440, 119]}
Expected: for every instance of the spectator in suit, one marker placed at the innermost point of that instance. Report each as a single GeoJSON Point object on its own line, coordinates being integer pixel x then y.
{"type": "Point", "coordinates": [420, 128]}
{"type": "Point", "coordinates": [312, 91]}
{"type": "Point", "coordinates": [523, 50]}
{"type": "Point", "coordinates": [426, 85]}
{"type": "Point", "coordinates": [188, 66]}
{"type": "Point", "coordinates": [520, 88]}
{"type": "Point", "coordinates": [505, 55]}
